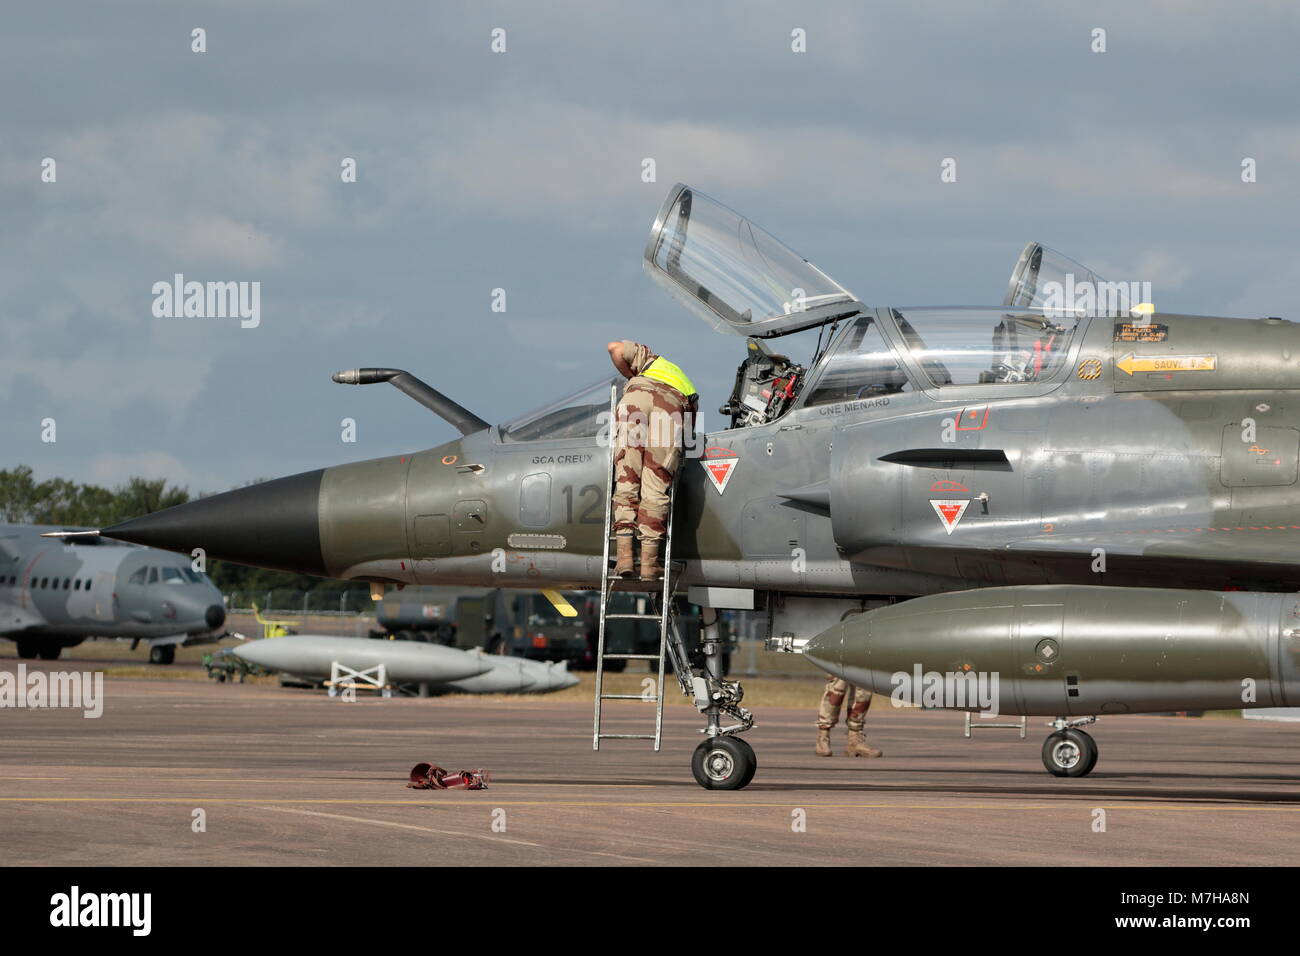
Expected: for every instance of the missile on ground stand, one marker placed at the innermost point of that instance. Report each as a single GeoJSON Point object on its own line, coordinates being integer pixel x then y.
{"type": "Point", "coordinates": [311, 655]}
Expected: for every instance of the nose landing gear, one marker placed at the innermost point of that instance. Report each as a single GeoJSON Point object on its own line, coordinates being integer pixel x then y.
{"type": "Point", "coordinates": [724, 763]}
{"type": "Point", "coordinates": [1070, 752]}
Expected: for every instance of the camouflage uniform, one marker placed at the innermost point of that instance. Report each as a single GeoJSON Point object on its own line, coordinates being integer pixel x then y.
{"type": "Point", "coordinates": [647, 448]}
{"type": "Point", "coordinates": [828, 714]}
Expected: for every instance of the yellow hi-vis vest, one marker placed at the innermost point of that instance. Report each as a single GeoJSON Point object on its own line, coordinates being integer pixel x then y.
{"type": "Point", "coordinates": [662, 370]}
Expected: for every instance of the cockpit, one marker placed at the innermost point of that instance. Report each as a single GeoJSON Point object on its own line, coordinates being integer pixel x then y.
{"type": "Point", "coordinates": [744, 281]}
{"type": "Point", "coordinates": [153, 574]}
{"type": "Point", "coordinates": [974, 346]}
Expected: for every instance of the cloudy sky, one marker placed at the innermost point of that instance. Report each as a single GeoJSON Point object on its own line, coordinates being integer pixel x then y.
{"type": "Point", "coordinates": [522, 170]}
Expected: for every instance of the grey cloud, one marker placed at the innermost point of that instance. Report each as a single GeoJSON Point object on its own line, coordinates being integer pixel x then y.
{"type": "Point", "coordinates": [522, 171]}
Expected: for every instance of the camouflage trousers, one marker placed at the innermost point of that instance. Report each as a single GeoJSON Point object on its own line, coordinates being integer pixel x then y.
{"type": "Point", "coordinates": [647, 451]}
{"type": "Point", "coordinates": [828, 714]}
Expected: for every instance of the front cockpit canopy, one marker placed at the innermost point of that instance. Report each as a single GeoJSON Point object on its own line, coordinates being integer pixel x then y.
{"type": "Point", "coordinates": [579, 414]}
{"type": "Point", "coordinates": [736, 276]}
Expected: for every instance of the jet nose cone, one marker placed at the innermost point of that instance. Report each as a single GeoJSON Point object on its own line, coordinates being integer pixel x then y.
{"type": "Point", "coordinates": [273, 524]}
{"type": "Point", "coordinates": [215, 616]}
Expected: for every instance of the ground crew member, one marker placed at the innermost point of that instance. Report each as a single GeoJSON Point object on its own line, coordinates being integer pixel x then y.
{"type": "Point", "coordinates": [658, 403]}
{"type": "Point", "coordinates": [828, 714]}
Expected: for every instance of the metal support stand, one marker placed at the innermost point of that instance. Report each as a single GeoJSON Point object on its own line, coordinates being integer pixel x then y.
{"type": "Point", "coordinates": [372, 678]}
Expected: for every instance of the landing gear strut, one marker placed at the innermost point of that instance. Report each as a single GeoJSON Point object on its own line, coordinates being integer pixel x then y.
{"type": "Point", "coordinates": [723, 761]}
{"type": "Point", "coordinates": [1069, 752]}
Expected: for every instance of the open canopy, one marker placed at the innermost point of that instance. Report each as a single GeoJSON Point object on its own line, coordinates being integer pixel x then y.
{"type": "Point", "coordinates": [743, 280]}
{"type": "Point", "coordinates": [737, 277]}
{"type": "Point", "coordinates": [1045, 279]}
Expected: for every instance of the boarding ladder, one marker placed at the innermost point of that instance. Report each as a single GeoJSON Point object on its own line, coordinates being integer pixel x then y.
{"type": "Point", "coordinates": [659, 593]}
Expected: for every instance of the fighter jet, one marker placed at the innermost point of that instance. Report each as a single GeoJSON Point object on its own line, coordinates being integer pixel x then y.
{"type": "Point", "coordinates": [55, 594]}
{"type": "Point", "coordinates": [1066, 504]}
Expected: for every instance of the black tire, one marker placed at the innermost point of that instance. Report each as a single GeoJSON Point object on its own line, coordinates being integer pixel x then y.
{"type": "Point", "coordinates": [1092, 745]}
{"type": "Point", "coordinates": [724, 763]}
{"type": "Point", "coordinates": [28, 649]}
{"type": "Point", "coordinates": [162, 653]}
{"type": "Point", "coordinates": [50, 652]}
{"type": "Point", "coordinates": [1069, 753]}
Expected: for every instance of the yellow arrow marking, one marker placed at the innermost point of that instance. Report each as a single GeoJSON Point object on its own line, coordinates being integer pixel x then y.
{"type": "Point", "coordinates": [1167, 363]}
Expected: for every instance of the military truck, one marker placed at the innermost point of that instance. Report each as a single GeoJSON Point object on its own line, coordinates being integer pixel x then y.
{"type": "Point", "coordinates": [439, 615]}
{"type": "Point", "coordinates": [520, 623]}
{"type": "Point", "coordinates": [526, 624]}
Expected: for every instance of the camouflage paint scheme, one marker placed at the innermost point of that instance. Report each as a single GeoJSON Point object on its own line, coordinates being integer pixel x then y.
{"type": "Point", "coordinates": [647, 454]}
{"type": "Point", "coordinates": [47, 619]}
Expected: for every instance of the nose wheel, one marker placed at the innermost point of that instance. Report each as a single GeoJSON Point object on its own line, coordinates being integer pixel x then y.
{"type": "Point", "coordinates": [724, 763]}
{"type": "Point", "coordinates": [1069, 753]}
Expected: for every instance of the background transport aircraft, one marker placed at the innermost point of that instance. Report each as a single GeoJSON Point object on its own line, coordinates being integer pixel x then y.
{"type": "Point", "coordinates": [56, 593]}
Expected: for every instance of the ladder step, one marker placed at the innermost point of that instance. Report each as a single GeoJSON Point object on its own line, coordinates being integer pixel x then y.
{"type": "Point", "coordinates": [633, 617]}
{"type": "Point", "coordinates": [648, 700]}
{"type": "Point", "coordinates": [631, 657]}
{"type": "Point", "coordinates": [625, 736]}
